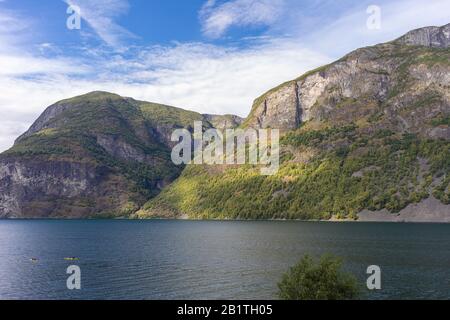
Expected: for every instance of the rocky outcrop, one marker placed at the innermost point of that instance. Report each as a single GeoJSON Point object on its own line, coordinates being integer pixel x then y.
{"type": "Point", "coordinates": [44, 119]}
{"type": "Point", "coordinates": [434, 37]}
{"type": "Point", "coordinates": [279, 109]}
{"type": "Point", "coordinates": [120, 149]}
{"type": "Point", "coordinates": [223, 122]}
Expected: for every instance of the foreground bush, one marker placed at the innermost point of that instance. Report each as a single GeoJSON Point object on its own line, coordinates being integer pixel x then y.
{"type": "Point", "coordinates": [322, 280]}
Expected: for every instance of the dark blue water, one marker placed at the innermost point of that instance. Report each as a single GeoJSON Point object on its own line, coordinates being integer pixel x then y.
{"type": "Point", "coordinates": [213, 260]}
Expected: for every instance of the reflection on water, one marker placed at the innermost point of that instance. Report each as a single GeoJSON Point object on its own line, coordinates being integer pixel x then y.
{"type": "Point", "coordinates": [212, 260]}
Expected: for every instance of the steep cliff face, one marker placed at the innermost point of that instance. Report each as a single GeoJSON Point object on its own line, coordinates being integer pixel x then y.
{"type": "Point", "coordinates": [434, 37]}
{"type": "Point", "coordinates": [97, 155]}
{"type": "Point", "coordinates": [39, 187]}
{"type": "Point", "coordinates": [388, 81]}
{"type": "Point", "coordinates": [279, 109]}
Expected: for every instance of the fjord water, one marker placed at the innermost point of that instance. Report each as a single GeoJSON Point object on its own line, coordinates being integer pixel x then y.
{"type": "Point", "coordinates": [213, 260]}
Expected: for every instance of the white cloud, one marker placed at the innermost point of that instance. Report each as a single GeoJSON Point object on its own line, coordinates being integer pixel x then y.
{"type": "Point", "coordinates": [29, 65]}
{"type": "Point", "coordinates": [11, 25]}
{"type": "Point", "coordinates": [101, 15]}
{"type": "Point", "coordinates": [212, 79]}
{"type": "Point", "coordinates": [217, 19]}
{"type": "Point", "coordinates": [9, 130]}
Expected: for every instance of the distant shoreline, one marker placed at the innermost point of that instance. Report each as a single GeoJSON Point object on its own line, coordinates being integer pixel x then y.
{"type": "Point", "coordinates": [392, 221]}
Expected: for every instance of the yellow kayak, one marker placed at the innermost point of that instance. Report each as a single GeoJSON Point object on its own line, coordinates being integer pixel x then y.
{"type": "Point", "coordinates": [71, 259]}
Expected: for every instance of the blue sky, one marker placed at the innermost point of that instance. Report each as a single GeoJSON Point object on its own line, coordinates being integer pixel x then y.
{"type": "Point", "coordinates": [152, 22]}
{"type": "Point", "coordinates": [204, 55]}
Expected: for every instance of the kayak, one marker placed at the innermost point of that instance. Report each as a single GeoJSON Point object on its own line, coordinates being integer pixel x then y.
{"type": "Point", "coordinates": [71, 259]}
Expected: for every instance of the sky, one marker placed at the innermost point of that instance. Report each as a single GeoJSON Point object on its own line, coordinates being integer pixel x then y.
{"type": "Point", "coordinates": [210, 56]}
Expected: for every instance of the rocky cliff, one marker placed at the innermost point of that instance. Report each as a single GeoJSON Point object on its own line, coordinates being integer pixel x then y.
{"type": "Point", "coordinates": [433, 37]}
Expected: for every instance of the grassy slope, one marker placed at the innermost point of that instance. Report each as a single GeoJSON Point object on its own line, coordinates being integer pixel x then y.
{"type": "Point", "coordinates": [162, 115]}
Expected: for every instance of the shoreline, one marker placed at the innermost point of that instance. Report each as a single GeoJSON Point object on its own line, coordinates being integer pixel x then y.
{"type": "Point", "coordinates": [232, 220]}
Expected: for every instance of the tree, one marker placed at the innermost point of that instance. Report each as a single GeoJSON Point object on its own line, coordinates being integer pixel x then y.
{"type": "Point", "coordinates": [322, 280]}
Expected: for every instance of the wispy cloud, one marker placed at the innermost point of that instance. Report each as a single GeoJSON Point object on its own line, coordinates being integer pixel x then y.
{"type": "Point", "coordinates": [101, 16]}
{"type": "Point", "coordinates": [16, 58]}
{"type": "Point", "coordinates": [27, 65]}
{"type": "Point", "coordinates": [11, 25]}
{"type": "Point", "coordinates": [216, 18]}
{"type": "Point", "coordinates": [215, 79]}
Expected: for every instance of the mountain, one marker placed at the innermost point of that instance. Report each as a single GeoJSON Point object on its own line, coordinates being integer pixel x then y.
{"type": "Point", "coordinates": [96, 155]}
{"type": "Point", "coordinates": [367, 136]}
{"type": "Point", "coordinates": [368, 133]}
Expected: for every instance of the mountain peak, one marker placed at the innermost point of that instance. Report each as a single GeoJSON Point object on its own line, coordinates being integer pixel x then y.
{"type": "Point", "coordinates": [434, 37]}
{"type": "Point", "coordinates": [93, 95]}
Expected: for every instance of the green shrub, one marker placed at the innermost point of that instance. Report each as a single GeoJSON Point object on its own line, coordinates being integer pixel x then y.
{"type": "Point", "coordinates": [322, 280]}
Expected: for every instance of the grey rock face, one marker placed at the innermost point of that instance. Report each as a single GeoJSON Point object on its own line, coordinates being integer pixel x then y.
{"type": "Point", "coordinates": [43, 122]}
{"type": "Point", "coordinates": [402, 86]}
{"type": "Point", "coordinates": [223, 122]}
{"type": "Point", "coordinates": [40, 188]}
{"type": "Point", "coordinates": [434, 37]}
{"type": "Point", "coordinates": [280, 109]}
{"type": "Point", "coordinates": [316, 96]}
{"type": "Point", "coordinates": [442, 132]}
{"type": "Point", "coordinates": [122, 150]}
